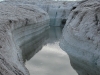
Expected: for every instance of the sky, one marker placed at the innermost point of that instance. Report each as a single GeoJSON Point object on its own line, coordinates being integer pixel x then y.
{"type": "Point", "coordinates": [1, 0]}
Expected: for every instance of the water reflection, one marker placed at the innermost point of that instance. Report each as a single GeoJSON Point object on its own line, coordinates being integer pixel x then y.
{"type": "Point", "coordinates": [33, 45]}
{"type": "Point", "coordinates": [54, 34]}
{"type": "Point", "coordinates": [51, 60]}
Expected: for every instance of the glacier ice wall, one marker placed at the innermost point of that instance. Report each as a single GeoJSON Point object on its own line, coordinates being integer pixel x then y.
{"type": "Point", "coordinates": [18, 25]}
{"type": "Point", "coordinates": [57, 10]}
{"type": "Point", "coordinates": [81, 38]}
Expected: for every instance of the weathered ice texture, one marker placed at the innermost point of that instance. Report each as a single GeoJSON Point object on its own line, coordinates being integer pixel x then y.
{"type": "Point", "coordinates": [81, 38]}
{"type": "Point", "coordinates": [57, 10]}
{"type": "Point", "coordinates": [19, 24]}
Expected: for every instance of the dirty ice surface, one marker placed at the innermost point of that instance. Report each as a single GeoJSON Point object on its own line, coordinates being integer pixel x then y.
{"type": "Point", "coordinates": [51, 59]}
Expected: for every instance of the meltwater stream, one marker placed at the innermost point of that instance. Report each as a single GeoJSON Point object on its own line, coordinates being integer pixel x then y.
{"type": "Point", "coordinates": [51, 59]}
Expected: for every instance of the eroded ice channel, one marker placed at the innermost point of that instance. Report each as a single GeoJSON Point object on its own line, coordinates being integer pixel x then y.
{"type": "Point", "coordinates": [51, 59]}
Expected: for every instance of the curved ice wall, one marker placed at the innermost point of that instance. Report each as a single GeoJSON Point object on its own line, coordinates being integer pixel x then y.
{"type": "Point", "coordinates": [81, 38]}
{"type": "Point", "coordinates": [19, 24]}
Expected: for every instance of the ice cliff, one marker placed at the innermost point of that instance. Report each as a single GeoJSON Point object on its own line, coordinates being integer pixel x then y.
{"type": "Point", "coordinates": [19, 24]}
{"type": "Point", "coordinates": [81, 38]}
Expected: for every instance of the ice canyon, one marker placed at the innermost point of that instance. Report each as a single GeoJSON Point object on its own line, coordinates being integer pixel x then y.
{"type": "Point", "coordinates": [23, 24]}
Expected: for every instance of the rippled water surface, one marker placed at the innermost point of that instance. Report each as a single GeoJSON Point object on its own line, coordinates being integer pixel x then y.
{"type": "Point", "coordinates": [51, 59]}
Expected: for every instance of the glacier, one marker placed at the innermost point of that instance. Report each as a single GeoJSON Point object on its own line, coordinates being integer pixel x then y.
{"type": "Point", "coordinates": [24, 23]}
{"type": "Point", "coordinates": [81, 38]}
{"type": "Point", "coordinates": [57, 10]}
{"type": "Point", "coordinates": [17, 28]}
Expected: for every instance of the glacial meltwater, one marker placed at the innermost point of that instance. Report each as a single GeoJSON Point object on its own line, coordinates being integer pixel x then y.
{"type": "Point", "coordinates": [48, 58]}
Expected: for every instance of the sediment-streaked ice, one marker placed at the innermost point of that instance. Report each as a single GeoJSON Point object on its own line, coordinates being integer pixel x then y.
{"type": "Point", "coordinates": [18, 24]}
{"type": "Point", "coordinates": [81, 38]}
